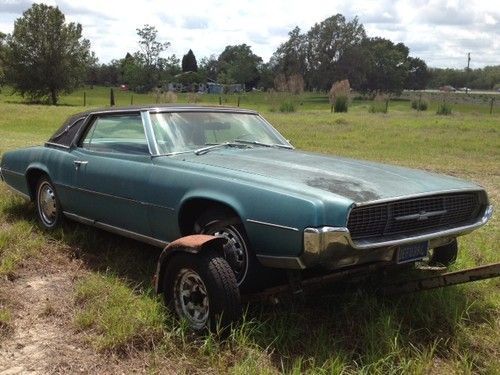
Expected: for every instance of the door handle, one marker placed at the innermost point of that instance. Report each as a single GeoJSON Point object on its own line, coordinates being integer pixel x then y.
{"type": "Point", "coordinates": [79, 163]}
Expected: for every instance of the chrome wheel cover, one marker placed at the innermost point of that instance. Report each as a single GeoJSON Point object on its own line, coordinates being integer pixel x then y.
{"type": "Point", "coordinates": [47, 204]}
{"type": "Point", "coordinates": [235, 251]}
{"type": "Point", "coordinates": [191, 298]}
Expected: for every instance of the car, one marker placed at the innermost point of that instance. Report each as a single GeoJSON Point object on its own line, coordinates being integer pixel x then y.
{"type": "Point", "coordinates": [254, 208]}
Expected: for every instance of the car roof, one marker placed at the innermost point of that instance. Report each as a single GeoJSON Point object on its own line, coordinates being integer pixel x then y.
{"type": "Point", "coordinates": [163, 108]}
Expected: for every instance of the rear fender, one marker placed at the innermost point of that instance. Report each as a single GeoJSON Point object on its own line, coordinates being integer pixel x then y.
{"type": "Point", "coordinates": [192, 244]}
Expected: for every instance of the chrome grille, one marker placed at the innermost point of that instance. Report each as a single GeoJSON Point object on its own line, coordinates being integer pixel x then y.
{"type": "Point", "coordinates": [413, 215]}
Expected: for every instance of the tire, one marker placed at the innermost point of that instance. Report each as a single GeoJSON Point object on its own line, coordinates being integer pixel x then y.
{"type": "Point", "coordinates": [48, 207]}
{"type": "Point", "coordinates": [201, 289]}
{"type": "Point", "coordinates": [250, 275]}
{"type": "Point", "coordinates": [445, 255]}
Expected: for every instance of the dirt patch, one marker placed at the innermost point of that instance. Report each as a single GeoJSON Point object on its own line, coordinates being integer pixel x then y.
{"type": "Point", "coordinates": [41, 337]}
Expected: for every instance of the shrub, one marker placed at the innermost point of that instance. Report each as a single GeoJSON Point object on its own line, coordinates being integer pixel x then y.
{"type": "Point", "coordinates": [444, 109]}
{"type": "Point", "coordinates": [170, 97]}
{"type": "Point", "coordinates": [287, 106]}
{"type": "Point", "coordinates": [296, 84]}
{"type": "Point", "coordinates": [380, 104]}
{"type": "Point", "coordinates": [193, 97]}
{"type": "Point", "coordinates": [420, 104]}
{"type": "Point", "coordinates": [341, 103]}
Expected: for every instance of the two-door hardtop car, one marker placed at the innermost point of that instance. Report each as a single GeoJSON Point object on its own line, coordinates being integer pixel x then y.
{"type": "Point", "coordinates": [157, 173]}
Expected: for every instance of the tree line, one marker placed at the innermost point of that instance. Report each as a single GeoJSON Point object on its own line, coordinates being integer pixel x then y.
{"type": "Point", "coordinates": [40, 63]}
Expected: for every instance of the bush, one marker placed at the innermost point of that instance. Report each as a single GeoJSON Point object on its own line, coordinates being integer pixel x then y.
{"type": "Point", "coordinates": [341, 103]}
{"type": "Point", "coordinates": [287, 106]}
{"type": "Point", "coordinates": [380, 104]}
{"type": "Point", "coordinates": [420, 104]}
{"type": "Point", "coordinates": [444, 109]}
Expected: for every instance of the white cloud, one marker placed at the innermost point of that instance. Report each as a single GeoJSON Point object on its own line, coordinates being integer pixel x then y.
{"type": "Point", "coordinates": [441, 32]}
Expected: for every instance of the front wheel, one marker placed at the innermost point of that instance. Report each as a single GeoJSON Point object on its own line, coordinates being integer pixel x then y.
{"type": "Point", "coordinates": [202, 290]}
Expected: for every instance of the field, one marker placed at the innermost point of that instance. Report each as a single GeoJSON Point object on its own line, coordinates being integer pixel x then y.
{"type": "Point", "coordinates": [79, 299]}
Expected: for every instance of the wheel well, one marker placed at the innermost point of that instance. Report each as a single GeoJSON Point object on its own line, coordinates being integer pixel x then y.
{"type": "Point", "coordinates": [32, 177]}
{"type": "Point", "coordinates": [193, 208]}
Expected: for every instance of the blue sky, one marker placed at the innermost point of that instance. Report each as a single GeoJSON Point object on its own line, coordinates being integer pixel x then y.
{"type": "Point", "coordinates": [441, 32]}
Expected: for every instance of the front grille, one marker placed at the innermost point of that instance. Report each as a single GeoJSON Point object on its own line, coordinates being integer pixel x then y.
{"type": "Point", "coordinates": [413, 215]}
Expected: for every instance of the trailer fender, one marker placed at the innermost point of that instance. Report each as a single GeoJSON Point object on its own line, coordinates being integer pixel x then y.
{"type": "Point", "coordinates": [192, 244]}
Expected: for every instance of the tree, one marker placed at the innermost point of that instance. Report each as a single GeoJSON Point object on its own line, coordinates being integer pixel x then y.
{"type": "Point", "coordinates": [418, 74]}
{"type": "Point", "coordinates": [386, 65]}
{"type": "Point", "coordinates": [327, 42]}
{"type": "Point", "coordinates": [46, 56]}
{"type": "Point", "coordinates": [149, 54]}
{"type": "Point", "coordinates": [209, 67]}
{"type": "Point", "coordinates": [2, 57]}
{"type": "Point", "coordinates": [189, 63]}
{"type": "Point", "coordinates": [238, 64]}
{"type": "Point", "coordinates": [291, 57]}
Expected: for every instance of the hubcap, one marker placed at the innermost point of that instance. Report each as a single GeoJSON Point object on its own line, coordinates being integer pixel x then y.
{"type": "Point", "coordinates": [191, 298]}
{"type": "Point", "coordinates": [235, 251]}
{"type": "Point", "coordinates": [47, 204]}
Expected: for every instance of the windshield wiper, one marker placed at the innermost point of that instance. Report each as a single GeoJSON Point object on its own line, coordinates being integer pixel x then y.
{"type": "Point", "coordinates": [204, 150]}
{"type": "Point", "coordinates": [257, 143]}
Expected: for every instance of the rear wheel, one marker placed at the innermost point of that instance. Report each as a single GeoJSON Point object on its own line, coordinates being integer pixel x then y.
{"type": "Point", "coordinates": [445, 255]}
{"type": "Point", "coordinates": [47, 204]}
{"type": "Point", "coordinates": [202, 289]}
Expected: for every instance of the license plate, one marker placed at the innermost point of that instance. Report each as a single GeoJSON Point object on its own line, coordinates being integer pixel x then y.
{"type": "Point", "coordinates": [412, 252]}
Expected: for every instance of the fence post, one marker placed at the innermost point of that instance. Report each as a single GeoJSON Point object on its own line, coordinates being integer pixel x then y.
{"type": "Point", "coordinates": [331, 108]}
{"type": "Point", "coordinates": [419, 102]}
{"type": "Point", "coordinates": [220, 100]}
{"type": "Point", "coordinates": [238, 101]}
{"type": "Point", "coordinates": [132, 99]}
{"type": "Point", "coordinates": [491, 105]}
{"type": "Point", "coordinates": [111, 97]}
{"type": "Point", "coordinates": [84, 99]}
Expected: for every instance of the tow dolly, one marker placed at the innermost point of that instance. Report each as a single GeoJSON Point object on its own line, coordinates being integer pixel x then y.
{"type": "Point", "coordinates": [433, 281]}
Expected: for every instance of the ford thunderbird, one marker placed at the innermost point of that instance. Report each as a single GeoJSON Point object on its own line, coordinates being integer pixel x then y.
{"type": "Point", "coordinates": [158, 173]}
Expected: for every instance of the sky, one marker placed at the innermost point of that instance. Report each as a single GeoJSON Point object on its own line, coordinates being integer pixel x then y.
{"type": "Point", "coordinates": [441, 32]}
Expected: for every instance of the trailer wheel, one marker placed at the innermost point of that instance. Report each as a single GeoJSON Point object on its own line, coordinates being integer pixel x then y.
{"type": "Point", "coordinates": [202, 290]}
{"type": "Point", "coordinates": [445, 255]}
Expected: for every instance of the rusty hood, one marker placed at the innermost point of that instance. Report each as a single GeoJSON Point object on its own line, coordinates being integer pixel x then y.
{"type": "Point", "coordinates": [357, 180]}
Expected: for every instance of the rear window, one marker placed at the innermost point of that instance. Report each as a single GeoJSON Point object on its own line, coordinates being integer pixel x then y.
{"type": "Point", "coordinates": [66, 133]}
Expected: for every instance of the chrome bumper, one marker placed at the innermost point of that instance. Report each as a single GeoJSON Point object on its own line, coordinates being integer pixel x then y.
{"type": "Point", "coordinates": [333, 247]}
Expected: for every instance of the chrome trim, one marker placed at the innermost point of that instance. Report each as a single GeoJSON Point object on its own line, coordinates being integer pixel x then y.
{"type": "Point", "coordinates": [116, 230]}
{"type": "Point", "coordinates": [272, 225]}
{"type": "Point", "coordinates": [12, 172]}
{"type": "Point", "coordinates": [318, 240]}
{"type": "Point", "coordinates": [294, 263]}
{"type": "Point", "coordinates": [57, 145]}
{"type": "Point", "coordinates": [420, 195]}
{"type": "Point", "coordinates": [148, 131]}
{"type": "Point", "coordinates": [422, 215]}
{"type": "Point", "coordinates": [115, 196]}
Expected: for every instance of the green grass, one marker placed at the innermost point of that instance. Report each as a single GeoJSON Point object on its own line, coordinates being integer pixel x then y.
{"type": "Point", "coordinates": [344, 330]}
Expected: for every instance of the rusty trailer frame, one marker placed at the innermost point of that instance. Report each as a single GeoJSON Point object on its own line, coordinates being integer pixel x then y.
{"type": "Point", "coordinates": [297, 287]}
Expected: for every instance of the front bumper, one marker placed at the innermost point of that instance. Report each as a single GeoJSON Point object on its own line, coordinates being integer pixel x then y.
{"type": "Point", "coordinates": [333, 247]}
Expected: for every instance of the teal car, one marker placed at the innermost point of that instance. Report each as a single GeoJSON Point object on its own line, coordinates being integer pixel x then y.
{"type": "Point", "coordinates": [158, 173]}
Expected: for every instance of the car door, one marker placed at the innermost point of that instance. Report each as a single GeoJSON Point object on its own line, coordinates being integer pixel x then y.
{"type": "Point", "coordinates": [113, 166]}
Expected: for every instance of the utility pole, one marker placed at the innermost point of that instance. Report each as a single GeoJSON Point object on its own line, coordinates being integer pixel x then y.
{"type": "Point", "coordinates": [468, 72]}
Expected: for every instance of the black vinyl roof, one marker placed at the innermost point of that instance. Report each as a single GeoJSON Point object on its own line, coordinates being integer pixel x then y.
{"type": "Point", "coordinates": [70, 128]}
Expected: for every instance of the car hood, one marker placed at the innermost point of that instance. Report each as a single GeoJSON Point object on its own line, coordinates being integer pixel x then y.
{"type": "Point", "coordinates": [357, 180]}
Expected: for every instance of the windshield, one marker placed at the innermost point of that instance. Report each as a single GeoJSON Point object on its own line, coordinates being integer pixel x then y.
{"type": "Point", "coordinates": [188, 131]}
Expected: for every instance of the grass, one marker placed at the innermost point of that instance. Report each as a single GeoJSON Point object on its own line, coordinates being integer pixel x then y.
{"type": "Point", "coordinates": [346, 330]}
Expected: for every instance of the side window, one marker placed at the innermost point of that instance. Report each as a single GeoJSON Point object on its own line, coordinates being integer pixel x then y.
{"type": "Point", "coordinates": [116, 133]}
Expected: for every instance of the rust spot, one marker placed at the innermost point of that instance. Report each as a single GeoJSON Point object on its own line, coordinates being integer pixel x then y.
{"type": "Point", "coordinates": [196, 242]}
{"type": "Point", "coordinates": [349, 189]}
